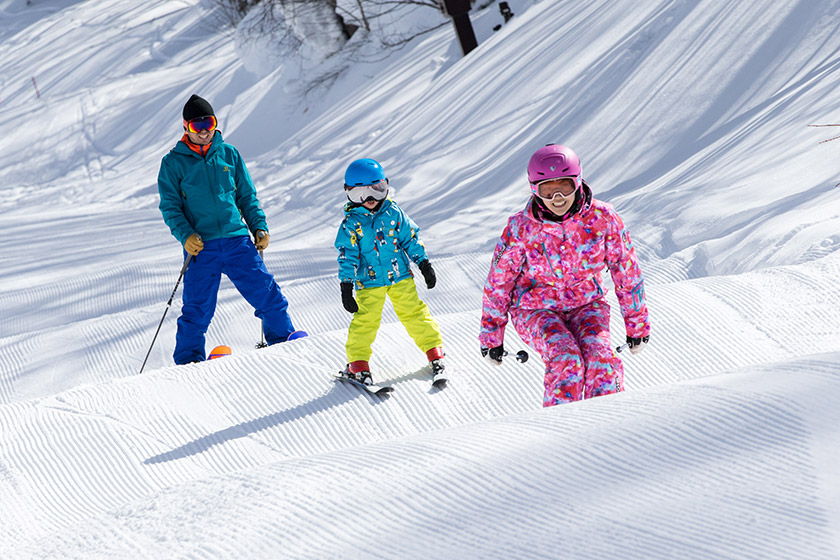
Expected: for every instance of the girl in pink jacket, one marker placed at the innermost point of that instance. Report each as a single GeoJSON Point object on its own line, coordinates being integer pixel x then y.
{"type": "Point", "coordinates": [546, 276]}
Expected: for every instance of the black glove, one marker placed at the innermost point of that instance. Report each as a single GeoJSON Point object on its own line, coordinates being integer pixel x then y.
{"type": "Point", "coordinates": [494, 355]}
{"type": "Point", "coordinates": [347, 299]}
{"type": "Point", "coordinates": [428, 273]}
{"type": "Point", "coordinates": [636, 345]}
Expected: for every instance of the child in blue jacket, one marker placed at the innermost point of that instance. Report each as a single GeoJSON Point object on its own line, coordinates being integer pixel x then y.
{"type": "Point", "coordinates": [375, 242]}
{"type": "Point", "coordinates": [210, 204]}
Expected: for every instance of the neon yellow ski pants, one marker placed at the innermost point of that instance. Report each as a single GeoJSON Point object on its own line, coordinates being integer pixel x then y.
{"type": "Point", "coordinates": [410, 309]}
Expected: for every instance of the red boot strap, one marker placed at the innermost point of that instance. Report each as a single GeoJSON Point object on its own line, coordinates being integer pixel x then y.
{"type": "Point", "coordinates": [359, 365]}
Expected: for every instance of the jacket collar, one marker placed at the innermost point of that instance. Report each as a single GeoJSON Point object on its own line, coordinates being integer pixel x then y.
{"type": "Point", "coordinates": [352, 208]}
{"type": "Point", "coordinates": [183, 145]}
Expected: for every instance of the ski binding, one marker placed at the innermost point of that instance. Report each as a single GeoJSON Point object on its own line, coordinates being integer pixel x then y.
{"type": "Point", "coordinates": [380, 390]}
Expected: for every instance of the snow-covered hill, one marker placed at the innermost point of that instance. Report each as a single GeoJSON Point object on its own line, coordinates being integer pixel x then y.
{"type": "Point", "coordinates": [689, 117]}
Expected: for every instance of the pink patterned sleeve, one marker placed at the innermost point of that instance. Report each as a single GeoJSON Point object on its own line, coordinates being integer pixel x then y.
{"type": "Point", "coordinates": [505, 269]}
{"type": "Point", "coordinates": [627, 277]}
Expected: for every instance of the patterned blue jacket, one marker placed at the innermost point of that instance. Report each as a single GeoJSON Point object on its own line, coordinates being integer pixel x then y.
{"type": "Point", "coordinates": [374, 248]}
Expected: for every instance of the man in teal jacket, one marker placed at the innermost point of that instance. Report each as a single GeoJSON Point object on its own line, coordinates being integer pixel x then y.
{"type": "Point", "coordinates": [210, 204]}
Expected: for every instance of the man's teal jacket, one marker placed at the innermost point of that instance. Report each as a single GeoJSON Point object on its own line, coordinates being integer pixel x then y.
{"type": "Point", "coordinates": [212, 195]}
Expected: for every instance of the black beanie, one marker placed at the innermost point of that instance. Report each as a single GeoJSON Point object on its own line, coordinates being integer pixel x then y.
{"type": "Point", "coordinates": [197, 107]}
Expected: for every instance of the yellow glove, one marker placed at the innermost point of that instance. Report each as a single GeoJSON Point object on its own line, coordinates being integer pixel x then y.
{"type": "Point", "coordinates": [193, 245]}
{"type": "Point", "coordinates": [261, 240]}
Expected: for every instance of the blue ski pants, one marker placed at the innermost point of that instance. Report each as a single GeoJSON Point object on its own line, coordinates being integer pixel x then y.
{"type": "Point", "coordinates": [237, 258]}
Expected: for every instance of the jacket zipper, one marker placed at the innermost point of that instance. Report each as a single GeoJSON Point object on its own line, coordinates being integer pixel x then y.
{"type": "Point", "coordinates": [522, 295]}
{"type": "Point", "coordinates": [545, 252]}
{"type": "Point", "coordinates": [212, 194]}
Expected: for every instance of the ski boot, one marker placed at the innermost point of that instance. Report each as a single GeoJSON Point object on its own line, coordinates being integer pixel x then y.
{"type": "Point", "coordinates": [296, 335]}
{"type": "Point", "coordinates": [435, 357]}
{"type": "Point", "coordinates": [358, 371]}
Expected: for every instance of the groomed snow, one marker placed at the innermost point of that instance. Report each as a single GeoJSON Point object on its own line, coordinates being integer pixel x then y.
{"type": "Point", "coordinates": [690, 118]}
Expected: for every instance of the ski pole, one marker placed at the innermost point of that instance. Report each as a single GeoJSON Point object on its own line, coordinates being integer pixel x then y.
{"type": "Point", "coordinates": [262, 343]}
{"type": "Point", "coordinates": [521, 356]}
{"type": "Point", "coordinates": [168, 305]}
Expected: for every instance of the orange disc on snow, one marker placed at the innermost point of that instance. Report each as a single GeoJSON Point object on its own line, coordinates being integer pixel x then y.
{"type": "Point", "coordinates": [219, 352]}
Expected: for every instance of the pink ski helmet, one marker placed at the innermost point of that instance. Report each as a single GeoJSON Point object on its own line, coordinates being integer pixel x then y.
{"type": "Point", "coordinates": [552, 162]}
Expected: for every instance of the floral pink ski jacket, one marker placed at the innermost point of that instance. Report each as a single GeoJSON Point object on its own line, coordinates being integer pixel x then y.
{"type": "Point", "coordinates": [557, 265]}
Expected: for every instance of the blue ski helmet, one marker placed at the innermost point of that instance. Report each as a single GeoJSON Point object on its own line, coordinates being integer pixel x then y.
{"type": "Point", "coordinates": [362, 172]}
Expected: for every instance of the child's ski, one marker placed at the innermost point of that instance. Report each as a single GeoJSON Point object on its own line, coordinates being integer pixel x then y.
{"type": "Point", "coordinates": [380, 390]}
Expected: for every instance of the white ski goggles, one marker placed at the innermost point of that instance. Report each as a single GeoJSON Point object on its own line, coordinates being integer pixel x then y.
{"type": "Point", "coordinates": [550, 189]}
{"type": "Point", "coordinates": [363, 193]}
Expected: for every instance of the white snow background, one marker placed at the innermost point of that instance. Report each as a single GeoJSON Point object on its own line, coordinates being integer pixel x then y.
{"type": "Point", "coordinates": [689, 116]}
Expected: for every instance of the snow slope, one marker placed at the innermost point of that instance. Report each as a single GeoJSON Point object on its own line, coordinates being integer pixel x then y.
{"type": "Point", "coordinates": [689, 117]}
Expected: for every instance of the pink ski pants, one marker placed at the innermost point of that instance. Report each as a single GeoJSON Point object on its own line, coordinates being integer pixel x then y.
{"type": "Point", "coordinates": [575, 346]}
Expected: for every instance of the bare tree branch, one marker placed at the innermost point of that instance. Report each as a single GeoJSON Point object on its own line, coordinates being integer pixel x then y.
{"type": "Point", "coordinates": [293, 23]}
